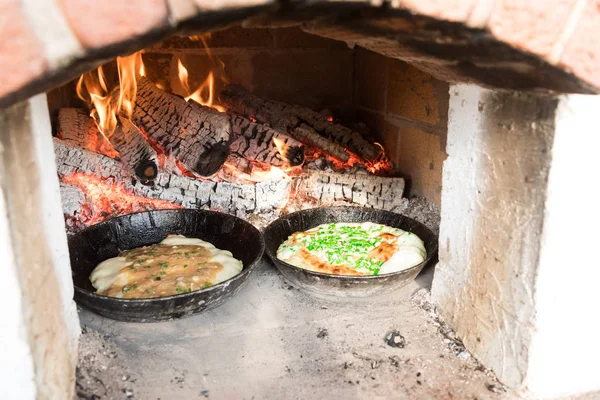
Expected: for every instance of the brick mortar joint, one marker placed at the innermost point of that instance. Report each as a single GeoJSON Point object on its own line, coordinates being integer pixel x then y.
{"type": "Point", "coordinates": [59, 43]}
{"type": "Point", "coordinates": [403, 121]}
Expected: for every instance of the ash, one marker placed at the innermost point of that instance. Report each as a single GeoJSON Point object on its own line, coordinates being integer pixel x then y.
{"type": "Point", "coordinates": [101, 370]}
{"type": "Point", "coordinates": [421, 210]}
{"type": "Point", "coordinates": [272, 341]}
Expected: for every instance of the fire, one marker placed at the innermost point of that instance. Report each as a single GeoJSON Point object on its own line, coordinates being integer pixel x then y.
{"type": "Point", "coordinates": [231, 173]}
{"type": "Point", "coordinates": [105, 199]}
{"type": "Point", "coordinates": [281, 146]}
{"type": "Point", "coordinates": [205, 94]}
{"type": "Point", "coordinates": [112, 100]}
{"type": "Point", "coordinates": [381, 165]}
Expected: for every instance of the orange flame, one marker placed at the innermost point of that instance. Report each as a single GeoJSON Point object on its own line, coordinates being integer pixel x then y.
{"type": "Point", "coordinates": [205, 94]}
{"type": "Point", "coordinates": [119, 99]}
{"type": "Point", "coordinates": [281, 146]}
{"type": "Point", "coordinates": [105, 199]}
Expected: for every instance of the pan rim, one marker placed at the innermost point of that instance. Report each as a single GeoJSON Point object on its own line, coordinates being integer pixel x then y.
{"type": "Point", "coordinates": [348, 277]}
{"type": "Point", "coordinates": [245, 270]}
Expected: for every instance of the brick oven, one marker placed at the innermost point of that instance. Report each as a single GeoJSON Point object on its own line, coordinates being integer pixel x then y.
{"type": "Point", "coordinates": [476, 117]}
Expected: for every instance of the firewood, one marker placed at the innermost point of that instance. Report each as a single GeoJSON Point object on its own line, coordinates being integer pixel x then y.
{"type": "Point", "coordinates": [308, 135]}
{"type": "Point", "coordinates": [244, 199]}
{"type": "Point", "coordinates": [256, 142]}
{"type": "Point", "coordinates": [358, 188]}
{"type": "Point", "coordinates": [75, 126]}
{"type": "Point", "coordinates": [139, 159]}
{"type": "Point", "coordinates": [182, 190]}
{"type": "Point", "coordinates": [288, 117]}
{"type": "Point", "coordinates": [197, 136]}
{"type": "Point", "coordinates": [136, 153]}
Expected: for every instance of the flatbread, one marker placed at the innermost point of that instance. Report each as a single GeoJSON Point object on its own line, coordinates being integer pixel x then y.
{"type": "Point", "coordinates": [357, 249]}
{"type": "Point", "coordinates": [175, 265]}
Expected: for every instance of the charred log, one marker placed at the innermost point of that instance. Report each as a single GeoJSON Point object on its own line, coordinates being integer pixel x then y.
{"type": "Point", "coordinates": [308, 135]}
{"type": "Point", "coordinates": [322, 187]}
{"type": "Point", "coordinates": [197, 136]}
{"type": "Point", "coordinates": [136, 153]}
{"type": "Point", "coordinates": [257, 142]}
{"type": "Point", "coordinates": [288, 117]}
{"type": "Point", "coordinates": [76, 127]}
{"type": "Point", "coordinates": [357, 188]}
{"type": "Point", "coordinates": [182, 190]}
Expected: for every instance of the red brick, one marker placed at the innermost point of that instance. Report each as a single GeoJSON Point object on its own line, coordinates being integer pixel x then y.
{"type": "Point", "coordinates": [210, 5]}
{"type": "Point", "coordinates": [158, 68]}
{"type": "Point", "coordinates": [413, 94]}
{"type": "Point", "coordinates": [582, 51]}
{"type": "Point", "coordinates": [297, 38]}
{"type": "Point", "coordinates": [534, 26]}
{"type": "Point", "coordinates": [101, 23]}
{"type": "Point", "coordinates": [21, 53]}
{"type": "Point", "coordinates": [241, 37]}
{"type": "Point", "coordinates": [420, 158]}
{"type": "Point", "coordinates": [450, 10]}
{"type": "Point", "coordinates": [371, 79]}
{"type": "Point", "coordinates": [314, 78]}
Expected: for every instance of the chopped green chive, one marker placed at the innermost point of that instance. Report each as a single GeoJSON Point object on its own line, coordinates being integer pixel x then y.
{"type": "Point", "coordinates": [185, 266]}
{"type": "Point", "coordinates": [157, 278]}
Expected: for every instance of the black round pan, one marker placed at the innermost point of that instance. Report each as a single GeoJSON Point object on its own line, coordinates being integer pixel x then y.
{"type": "Point", "coordinates": [107, 239]}
{"type": "Point", "coordinates": [344, 285]}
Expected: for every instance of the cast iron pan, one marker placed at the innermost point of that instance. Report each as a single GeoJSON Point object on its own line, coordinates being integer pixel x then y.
{"type": "Point", "coordinates": [107, 239]}
{"type": "Point", "coordinates": [340, 285]}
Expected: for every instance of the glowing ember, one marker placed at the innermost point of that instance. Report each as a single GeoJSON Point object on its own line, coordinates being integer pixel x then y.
{"type": "Point", "coordinates": [230, 173]}
{"type": "Point", "coordinates": [253, 119]}
{"type": "Point", "coordinates": [105, 199]}
{"type": "Point", "coordinates": [330, 119]}
{"type": "Point", "coordinates": [381, 165]}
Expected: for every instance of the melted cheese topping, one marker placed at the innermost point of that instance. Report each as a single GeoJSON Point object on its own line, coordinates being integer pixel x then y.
{"type": "Point", "coordinates": [353, 249]}
{"type": "Point", "coordinates": [175, 265]}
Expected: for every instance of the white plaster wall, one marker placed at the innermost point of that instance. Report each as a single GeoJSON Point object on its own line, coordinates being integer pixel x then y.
{"type": "Point", "coordinates": [494, 186]}
{"type": "Point", "coordinates": [53, 221]}
{"type": "Point", "coordinates": [565, 349]}
{"type": "Point", "coordinates": [42, 332]}
{"type": "Point", "coordinates": [16, 362]}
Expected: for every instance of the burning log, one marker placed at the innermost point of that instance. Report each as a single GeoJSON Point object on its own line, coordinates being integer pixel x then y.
{"type": "Point", "coordinates": [260, 143]}
{"type": "Point", "coordinates": [197, 136]}
{"type": "Point", "coordinates": [170, 188]}
{"type": "Point", "coordinates": [308, 135]}
{"type": "Point", "coordinates": [289, 117]}
{"type": "Point", "coordinates": [85, 176]}
{"type": "Point", "coordinates": [76, 127]}
{"type": "Point", "coordinates": [135, 151]}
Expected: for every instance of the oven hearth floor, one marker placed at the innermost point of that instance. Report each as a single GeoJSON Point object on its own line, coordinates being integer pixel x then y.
{"type": "Point", "coordinates": [272, 341]}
